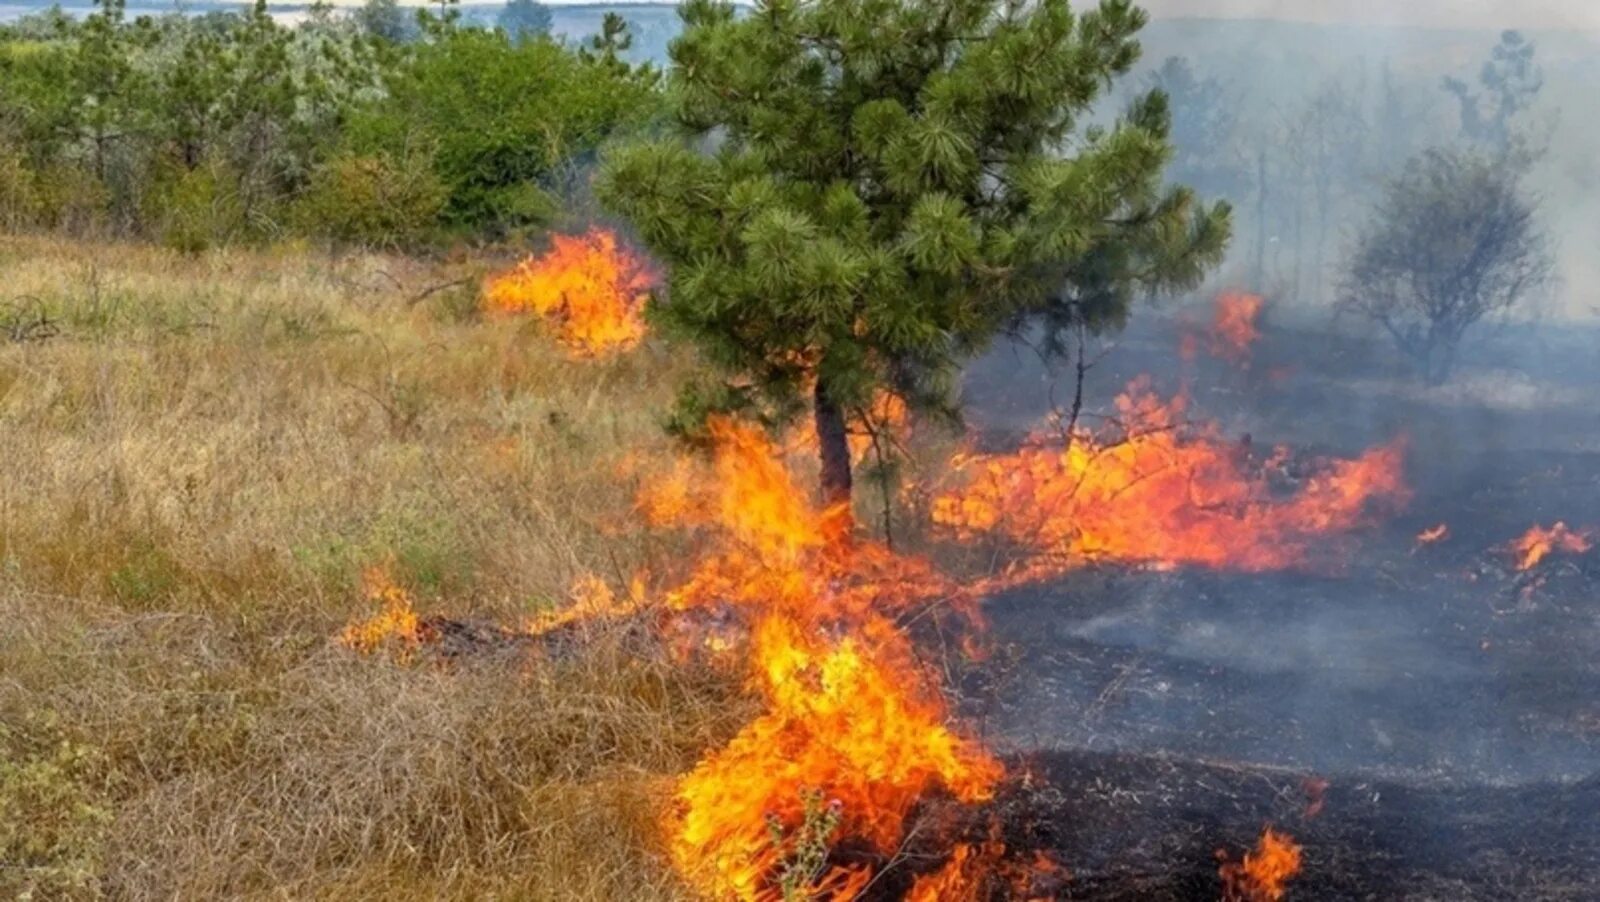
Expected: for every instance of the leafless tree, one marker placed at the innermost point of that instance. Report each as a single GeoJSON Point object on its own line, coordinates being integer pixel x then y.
{"type": "Point", "coordinates": [1452, 240]}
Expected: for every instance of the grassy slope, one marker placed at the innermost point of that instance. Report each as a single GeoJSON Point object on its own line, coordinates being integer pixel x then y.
{"type": "Point", "coordinates": [197, 469]}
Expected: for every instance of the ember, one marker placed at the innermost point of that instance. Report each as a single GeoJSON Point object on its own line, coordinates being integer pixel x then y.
{"type": "Point", "coordinates": [590, 290]}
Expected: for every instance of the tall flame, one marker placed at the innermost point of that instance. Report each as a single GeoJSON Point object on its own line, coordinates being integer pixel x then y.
{"type": "Point", "coordinates": [849, 711]}
{"type": "Point", "coordinates": [1158, 491]}
{"type": "Point", "coordinates": [1540, 542]}
{"type": "Point", "coordinates": [590, 289]}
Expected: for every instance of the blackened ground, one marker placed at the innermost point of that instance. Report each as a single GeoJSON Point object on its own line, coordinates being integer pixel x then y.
{"type": "Point", "coordinates": [1149, 828]}
{"type": "Point", "coordinates": [1452, 703]}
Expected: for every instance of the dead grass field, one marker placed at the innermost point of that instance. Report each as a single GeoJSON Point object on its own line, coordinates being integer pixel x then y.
{"type": "Point", "coordinates": [196, 470]}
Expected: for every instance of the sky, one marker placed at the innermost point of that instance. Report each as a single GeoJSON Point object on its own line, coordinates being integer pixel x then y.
{"type": "Point", "coordinates": [1528, 14]}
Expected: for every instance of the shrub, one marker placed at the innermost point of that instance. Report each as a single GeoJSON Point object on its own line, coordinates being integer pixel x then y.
{"type": "Point", "coordinates": [192, 210]}
{"type": "Point", "coordinates": [19, 192]}
{"type": "Point", "coordinates": [503, 118]}
{"type": "Point", "coordinates": [377, 200]}
{"type": "Point", "coordinates": [1453, 240]}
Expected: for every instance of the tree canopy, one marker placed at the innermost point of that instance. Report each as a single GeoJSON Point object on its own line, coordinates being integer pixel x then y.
{"type": "Point", "coordinates": [862, 193]}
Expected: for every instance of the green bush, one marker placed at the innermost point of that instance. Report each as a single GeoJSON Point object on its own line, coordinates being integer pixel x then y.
{"type": "Point", "coordinates": [19, 192]}
{"type": "Point", "coordinates": [199, 131]}
{"type": "Point", "coordinates": [377, 200]}
{"type": "Point", "coordinates": [506, 119]}
{"type": "Point", "coordinates": [70, 199]}
{"type": "Point", "coordinates": [192, 210]}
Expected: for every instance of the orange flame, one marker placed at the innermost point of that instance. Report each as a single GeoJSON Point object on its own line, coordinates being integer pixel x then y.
{"type": "Point", "coordinates": [975, 870]}
{"type": "Point", "coordinates": [850, 712]}
{"type": "Point", "coordinates": [587, 287]}
{"type": "Point", "coordinates": [1160, 492]}
{"type": "Point", "coordinates": [396, 621]}
{"type": "Point", "coordinates": [886, 417]}
{"type": "Point", "coordinates": [961, 877]}
{"type": "Point", "coordinates": [1539, 542]}
{"type": "Point", "coordinates": [1233, 326]}
{"type": "Point", "coordinates": [592, 599]}
{"type": "Point", "coordinates": [1434, 534]}
{"type": "Point", "coordinates": [1264, 873]}
{"type": "Point", "coordinates": [1233, 331]}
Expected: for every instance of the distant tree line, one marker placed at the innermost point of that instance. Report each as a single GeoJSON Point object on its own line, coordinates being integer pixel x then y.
{"type": "Point", "coordinates": [383, 126]}
{"type": "Point", "coordinates": [1397, 201]}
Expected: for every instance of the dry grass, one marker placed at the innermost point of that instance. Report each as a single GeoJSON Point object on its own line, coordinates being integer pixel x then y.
{"type": "Point", "coordinates": [196, 470]}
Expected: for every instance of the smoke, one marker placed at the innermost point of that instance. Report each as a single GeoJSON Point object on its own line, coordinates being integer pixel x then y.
{"type": "Point", "coordinates": [1476, 14]}
{"type": "Point", "coordinates": [1302, 111]}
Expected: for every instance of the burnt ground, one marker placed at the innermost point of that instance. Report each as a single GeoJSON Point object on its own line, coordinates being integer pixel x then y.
{"type": "Point", "coordinates": [1452, 704]}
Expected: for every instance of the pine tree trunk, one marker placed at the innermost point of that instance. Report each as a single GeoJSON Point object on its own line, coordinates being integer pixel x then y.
{"type": "Point", "coordinates": [835, 447]}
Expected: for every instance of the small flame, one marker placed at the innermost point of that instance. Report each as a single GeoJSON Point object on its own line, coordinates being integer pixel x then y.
{"type": "Point", "coordinates": [1434, 534]}
{"type": "Point", "coordinates": [1233, 327]}
{"type": "Point", "coordinates": [592, 599]}
{"type": "Point", "coordinates": [396, 621]}
{"type": "Point", "coordinates": [961, 877]}
{"type": "Point", "coordinates": [590, 290]}
{"type": "Point", "coordinates": [975, 870]}
{"type": "Point", "coordinates": [1539, 542]}
{"type": "Point", "coordinates": [885, 420]}
{"type": "Point", "coordinates": [1264, 873]}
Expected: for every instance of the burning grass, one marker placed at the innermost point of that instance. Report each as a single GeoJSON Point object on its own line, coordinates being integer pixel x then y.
{"type": "Point", "coordinates": [204, 489]}
{"type": "Point", "coordinates": [1155, 489]}
{"type": "Point", "coordinates": [589, 288]}
{"type": "Point", "coordinates": [850, 713]}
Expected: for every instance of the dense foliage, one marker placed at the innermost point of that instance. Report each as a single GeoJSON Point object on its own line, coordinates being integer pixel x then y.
{"type": "Point", "coordinates": [864, 193]}
{"type": "Point", "coordinates": [384, 126]}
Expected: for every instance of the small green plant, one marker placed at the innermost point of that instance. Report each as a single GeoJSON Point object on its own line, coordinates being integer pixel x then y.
{"type": "Point", "coordinates": [147, 575]}
{"type": "Point", "coordinates": [803, 851]}
{"type": "Point", "coordinates": [425, 552]}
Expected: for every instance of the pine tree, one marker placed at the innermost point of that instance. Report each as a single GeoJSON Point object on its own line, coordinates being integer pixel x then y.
{"type": "Point", "coordinates": [866, 192]}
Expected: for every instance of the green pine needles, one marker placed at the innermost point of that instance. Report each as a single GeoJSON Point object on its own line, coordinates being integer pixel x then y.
{"type": "Point", "coordinates": [863, 193]}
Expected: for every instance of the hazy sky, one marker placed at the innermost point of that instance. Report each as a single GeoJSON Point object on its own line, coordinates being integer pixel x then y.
{"type": "Point", "coordinates": [1562, 14]}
